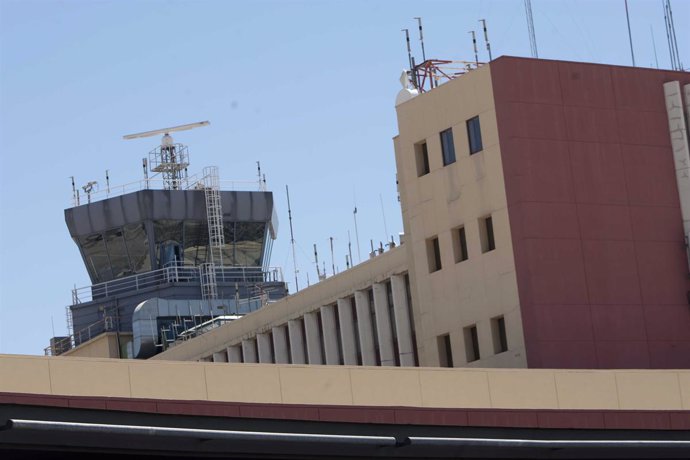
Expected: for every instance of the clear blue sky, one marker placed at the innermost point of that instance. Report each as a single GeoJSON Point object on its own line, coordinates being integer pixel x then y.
{"type": "Point", "coordinates": [307, 88]}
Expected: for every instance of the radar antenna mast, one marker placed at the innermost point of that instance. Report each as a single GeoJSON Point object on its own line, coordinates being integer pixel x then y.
{"type": "Point", "coordinates": [169, 159]}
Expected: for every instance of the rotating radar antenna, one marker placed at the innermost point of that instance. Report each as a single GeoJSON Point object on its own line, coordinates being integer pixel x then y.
{"type": "Point", "coordinates": [169, 159]}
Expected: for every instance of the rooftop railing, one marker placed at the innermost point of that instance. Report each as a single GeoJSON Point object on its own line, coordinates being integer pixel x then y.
{"type": "Point", "coordinates": [173, 273]}
{"type": "Point", "coordinates": [193, 182]}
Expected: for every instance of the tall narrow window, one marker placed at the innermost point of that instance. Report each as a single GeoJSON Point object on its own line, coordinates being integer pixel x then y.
{"type": "Point", "coordinates": [447, 147]}
{"type": "Point", "coordinates": [471, 343]}
{"type": "Point", "coordinates": [433, 253]}
{"type": "Point", "coordinates": [445, 351]}
{"type": "Point", "coordinates": [422, 157]}
{"type": "Point", "coordinates": [498, 333]}
{"type": "Point", "coordinates": [486, 234]}
{"type": "Point", "coordinates": [460, 244]}
{"type": "Point", "coordinates": [474, 135]}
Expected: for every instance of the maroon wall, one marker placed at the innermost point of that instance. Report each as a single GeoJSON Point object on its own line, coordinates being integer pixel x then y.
{"type": "Point", "coordinates": [594, 214]}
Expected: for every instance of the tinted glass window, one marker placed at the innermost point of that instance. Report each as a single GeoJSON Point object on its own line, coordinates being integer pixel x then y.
{"type": "Point", "coordinates": [119, 260]}
{"type": "Point", "coordinates": [96, 257]}
{"type": "Point", "coordinates": [137, 247]}
{"type": "Point", "coordinates": [447, 147]}
{"type": "Point", "coordinates": [168, 235]}
{"type": "Point", "coordinates": [195, 242]}
{"type": "Point", "coordinates": [248, 244]}
{"type": "Point", "coordinates": [474, 135]}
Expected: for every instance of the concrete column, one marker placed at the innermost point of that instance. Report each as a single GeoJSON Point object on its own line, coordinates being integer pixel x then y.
{"type": "Point", "coordinates": [402, 320]}
{"type": "Point", "coordinates": [235, 354]}
{"type": "Point", "coordinates": [679, 145]}
{"type": "Point", "coordinates": [296, 332]}
{"type": "Point", "coordinates": [281, 349]}
{"type": "Point", "coordinates": [383, 325]}
{"type": "Point", "coordinates": [220, 357]}
{"type": "Point", "coordinates": [263, 340]}
{"type": "Point", "coordinates": [249, 351]}
{"type": "Point", "coordinates": [330, 335]}
{"type": "Point", "coordinates": [311, 328]}
{"type": "Point", "coordinates": [347, 332]}
{"type": "Point", "coordinates": [365, 328]}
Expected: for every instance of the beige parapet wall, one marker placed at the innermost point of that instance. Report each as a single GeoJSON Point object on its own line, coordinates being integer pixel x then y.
{"type": "Point", "coordinates": [346, 386]}
{"type": "Point", "coordinates": [295, 306]}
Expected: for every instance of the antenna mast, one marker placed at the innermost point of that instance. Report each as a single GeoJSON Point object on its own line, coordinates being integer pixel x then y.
{"type": "Point", "coordinates": [169, 159]}
{"type": "Point", "coordinates": [530, 29]}
{"type": "Point", "coordinates": [476, 56]}
{"type": "Point", "coordinates": [656, 58]}
{"type": "Point", "coordinates": [332, 256]}
{"type": "Point", "coordinates": [421, 38]}
{"type": "Point", "coordinates": [292, 239]}
{"type": "Point", "coordinates": [409, 50]}
{"type": "Point", "coordinates": [627, 17]}
{"type": "Point", "coordinates": [486, 38]}
{"type": "Point", "coordinates": [383, 213]}
{"type": "Point", "coordinates": [359, 254]}
{"type": "Point", "coordinates": [671, 36]}
{"type": "Point", "coordinates": [316, 261]}
{"type": "Point", "coordinates": [349, 248]}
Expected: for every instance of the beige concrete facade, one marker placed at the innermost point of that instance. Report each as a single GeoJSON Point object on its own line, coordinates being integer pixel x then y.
{"type": "Point", "coordinates": [347, 385]}
{"type": "Point", "coordinates": [473, 291]}
{"type": "Point", "coordinates": [107, 345]}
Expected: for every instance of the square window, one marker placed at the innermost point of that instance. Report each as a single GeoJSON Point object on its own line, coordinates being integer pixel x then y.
{"type": "Point", "coordinates": [474, 135]}
{"type": "Point", "coordinates": [445, 351]}
{"type": "Point", "coordinates": [471, 343]}
{"type": "Point", "coordinates": [447, 147]}
{"type": "Point", "coordinates": [498, 334]}
{"type": "Point", "coordinates": [460, 244]}
{"type": "Point", "coordinates": [422, 157]}
{"type": "Point", "coordinates": [486, 234]}
{"type": "Point", "coordinates": [433, 253]}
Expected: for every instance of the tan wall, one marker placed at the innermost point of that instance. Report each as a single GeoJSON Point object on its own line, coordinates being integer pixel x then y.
{"type": "Point", "coordinates": [346, 385]}
{"type": "Point", "coordinates": [484, 286]}
{"type": "Point", "coordinates": [295, 306]}
{"type": "Point", "coordinates": [103, 346]}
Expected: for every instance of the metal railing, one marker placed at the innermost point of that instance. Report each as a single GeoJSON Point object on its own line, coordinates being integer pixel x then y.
{"type": "Point", "coordinates": [58, 347]}
{"type": "Point", "coordinates": [193, 182]}
{"type": "Point", "coordinates": [173, 273]}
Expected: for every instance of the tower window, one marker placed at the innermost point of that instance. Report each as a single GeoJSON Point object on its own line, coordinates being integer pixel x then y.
{"type": "Point", "coordinates": [433, 252]}
{"type": "Point", "coordinates": [447, 147]}
{"type": "Point", "coordinates": [486, 234]}
{"type": "Point", "coordinates": [471, 343]}
{"type": "Point", "coordinates": [445, 351]}
{"type": "Point", "coordinates": [474, 135]}
{"type": "Point", "coordinates": [498, 333]}
{"type": "Point", "coordinates": [460, 244]}
{"type": "Point", "coordinates": [422, 157]}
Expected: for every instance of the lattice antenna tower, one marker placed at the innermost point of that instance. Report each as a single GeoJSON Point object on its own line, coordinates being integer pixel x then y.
{"type": "Point", "coordinates": [530, 29]}
{"type": "Point", "coordinates": [169, 159]}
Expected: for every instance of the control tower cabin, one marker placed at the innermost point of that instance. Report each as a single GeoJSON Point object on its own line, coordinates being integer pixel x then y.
{"type": "Point", "coordinates": [169, 256]}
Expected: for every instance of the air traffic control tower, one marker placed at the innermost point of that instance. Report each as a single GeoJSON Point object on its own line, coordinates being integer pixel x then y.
{"type": "Point", "coordinates": [169, 256]}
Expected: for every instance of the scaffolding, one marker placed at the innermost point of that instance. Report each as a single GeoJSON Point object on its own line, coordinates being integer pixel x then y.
{"type": "Point", "coordinates": [170, 161]}
{"type": "Point", "coordinates": [434, 72]}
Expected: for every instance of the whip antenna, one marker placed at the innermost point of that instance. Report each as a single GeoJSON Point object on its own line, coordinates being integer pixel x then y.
{"type": "Point", "coordinates": [421, 38]}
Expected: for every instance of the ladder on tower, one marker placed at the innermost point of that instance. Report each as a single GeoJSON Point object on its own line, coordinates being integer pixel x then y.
{"type": "Point", "coordinates": [70, 322]}
{"type": "Point", "coordinates": [216, 238]}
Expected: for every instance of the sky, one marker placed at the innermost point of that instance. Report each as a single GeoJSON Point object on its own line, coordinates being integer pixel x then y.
{"type": "Point", "coordinates": [305, 87]}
